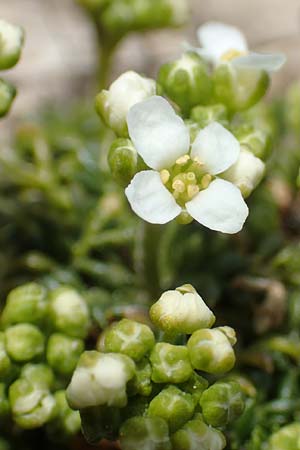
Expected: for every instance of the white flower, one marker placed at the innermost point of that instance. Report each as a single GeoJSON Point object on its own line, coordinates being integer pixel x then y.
{"type": "Point", "coordinates": [127, 90]}
{"type": "Point", "coordinates": [246, 173]}
{"type": "Point", "coordinates": [224, 43]}
{"type": "Point", "coordinates": [183, 179]}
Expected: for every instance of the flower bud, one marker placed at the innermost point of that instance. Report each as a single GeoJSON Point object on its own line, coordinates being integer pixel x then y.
{"type": "Point", "coordinates": [197, 435]}
{"type": "Point", "coordinates": [100, 379]}
{"type": "Point", "coordinates": [204, 115]}
{"type": "Point", "coordinates": [68, 312]}
{"type": "Point", "coordinates": [5, 362]}
{"type": "Point", "coordinates": [131, 338]}
{"type": "Point", "coordinates": [170, 363]}
{"type": "Point", "coordinates": [31, 406]}
{"type": "Point", "coordinates": [257, 140]}
{"type": "Point", "coordinates": [123, 161]}
{"type": "Point", "coordinates": [24, 342]}
{"type": "Point", "coordinates": [246, 173]}
{"type": "Point", "coordinates": [4, 403]}
{"type": "Point", "coordinates": [63, 353]}
{"type": "Point", "coordinates": [113, 105]}
{"type": "Point", "coordinates": [195, 385]}
{"type": "Point", "coordinates": [186, 81]}
{"type": "Point", "coordinates": [222, 403]}
{"type": "Point", "coordinates": [141, 383]}
{"type": "Point", "coordinates": [66, 422]}
{"type": "Point", "coordinates": [211, 351]}
{"type": "Point", "coordinates": [239, 88]}
{"type": "Point", "coordinates": [39, 375]}
{"type": "Point", "coordinates": [172, 405]}
{"type": "Point", "coordinates": [147, 433]}
{"type": "Point", "coordinates": [11, 42]}
{"type": "Point", "coordinates": [181, 311]}
{"type": "Point", "coordinates": [286, 438]}
{"type": "Point", "coordinates": [7, 95]}
{"type": "Point", "coordinates": [26, 303]}
{"type": "Point", "coordinates": [100, 422]}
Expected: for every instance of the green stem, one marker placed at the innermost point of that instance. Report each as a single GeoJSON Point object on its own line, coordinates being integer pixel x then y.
{"type": "Point", "coordinates": [106, 49]}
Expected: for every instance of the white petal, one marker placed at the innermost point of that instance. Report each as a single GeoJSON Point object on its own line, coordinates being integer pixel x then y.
{"type": "Point", "coordinates": [220, 207]}
{"type": "Point", "coordinates": [216, 148]}
{"type": "Point", "coordinates": [270, 62]}
{"type": "Point", "coordinates": [150, 199]}
{"type": "Point", "coordinates": [219, 38]}
{"type": "Point", "coordinates": [158, 133]}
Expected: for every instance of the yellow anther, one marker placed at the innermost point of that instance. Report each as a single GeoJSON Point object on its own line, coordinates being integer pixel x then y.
{"type": "Point", "coordinates": [206, 180]}
{"type": "Point", "coordinates": [164, 176]}
{"type": "Point", "coordinates": [190, 176]}
{"type": "Point", "coordinates": [183, 159]}
{"type": "Point", "coordinates": [231, 54]}
{"type": "Point", "coordinates": [178, 186]}
{"type": "Point", "coordinates": [198, 161]}
{"type": "Point", "coordinates": [192, 190]}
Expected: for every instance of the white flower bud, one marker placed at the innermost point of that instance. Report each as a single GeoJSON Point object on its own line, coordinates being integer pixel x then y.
{"type": "Point", "coordinates": [113, 105]}
{"type": "Point", "coordinates": [100, 379]}
{"type": "Point", "coordinates": [181, 311]}
{"type": "Point", "coordinates": [246, 173]}
{"type": "Point", "coordinates": [11, 41]}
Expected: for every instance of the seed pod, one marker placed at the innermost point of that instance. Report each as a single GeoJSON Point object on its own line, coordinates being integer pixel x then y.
{"type": "Point", "coordinates": [63, 353]}
{"type": "Point", "coordinates": [147, 433]}
{"type": "Point", "coordinates": [170, 363]}
{"type": "Point", "coordinates": [222, 403]}
{"type": "Point", "coordinates": [174, 406]}
{"type": "Point", "coordinates": [24, 342]}
{"type": "Point", "coordinates": [211, 351]}
{"type": "Point", "coordinates": [129, 337]}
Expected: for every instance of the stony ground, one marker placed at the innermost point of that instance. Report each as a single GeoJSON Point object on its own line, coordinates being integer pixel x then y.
{"type": "Point", "coordinates": [59, 55]}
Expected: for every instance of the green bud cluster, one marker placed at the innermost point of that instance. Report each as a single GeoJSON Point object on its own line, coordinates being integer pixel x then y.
{"type": "Point", "coordinates": [11, 43]}
{"type": "Point", "coordinates": [151, 388]}
{"type": "Point", "coordinates": [41, 339]}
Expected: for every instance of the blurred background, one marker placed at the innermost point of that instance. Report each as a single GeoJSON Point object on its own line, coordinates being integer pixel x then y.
{"type": "Point", "coordinates": [59, 58]}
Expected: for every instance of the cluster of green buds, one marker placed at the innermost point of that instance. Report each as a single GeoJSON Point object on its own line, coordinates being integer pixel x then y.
{"type": "Point", "coordinates": [116, 18]}
{"type": "Point", "coordinates": [154, 393]}
{"type": "Point", "coordinates": [11, 43]}
{"type": "Point", "coordinates": [42, 337]}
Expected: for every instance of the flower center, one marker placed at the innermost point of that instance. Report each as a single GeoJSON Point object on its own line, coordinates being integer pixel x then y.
{"type": "Point", "coordinates": [231, 54]}
{"type": "Point", "coordinates": [185, 179]}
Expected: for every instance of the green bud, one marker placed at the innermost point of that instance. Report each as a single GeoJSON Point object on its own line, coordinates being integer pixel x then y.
{"type": "Point", "coordinates": [100, 379]}
{"type": "Point", "coordinates": [246, 173]}
{"type": "Point", "coordinates": [5, 362]}
{"type": "Point", "coordinates": [147, 433]}
{"type": "Point", "coordinates": [141, 383]}
{"type": "Point", "coordinates": [31, 406]}
{"type": "Point", "coordinates": [100, 422]}
{"type": "Point", "coordinates": [172, 405]}
{"type": "Point", "coordinates": [222, 403]}
{"type": "Point", "coordinates": [11, 42]}
{"type": "Point", "coordinates": [211, 351]}
{"type": "Point", "coordinates": [170, 363]}
{"type": "Point", "coordinates": [26, 303]}
{"type": "Point", "coordinates": [7, 95]}
{"type": "Point", "coordinates": [66, 422]}
{"type": "Point", "coordinates": [63, 353]}
{"type": "Point", "coordinates": [123, 161]}
{"type": "Point", "coordinates": [24, 342]}
{"type": "Point", "coordinates": [39, 375]}
{"type": "Point", "coordinates": [204, 115]}
{"type": "Point", "coordinates": [113, 105]}
{"type": "Point", "coordinates": [181, 311]}
{"type": "Point", "coordinates": [239, 88]}
{"type": "Point", "coordinates": [197, 435]}
{"type": "Point", "coordinates": [68, 312]}
{"type": "Point", "coordinates": [286, 438]}
{"type": "Point", "coordinates": [4, 403]}
{"type": "Point", "coordinates": [132, 338]}
{"type": "Point", "coordinates": [195, 386]}
{"type": "Point", "coordinates": [257, 140]}
{"type": "Point", "coordinates": [186, 81]}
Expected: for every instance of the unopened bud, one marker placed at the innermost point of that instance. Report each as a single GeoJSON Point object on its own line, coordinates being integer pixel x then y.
{"type": "Point", "coordinates": [123, 160]}
{"type": "Point", "coordinates": [11, 42]}
{"type": "Point", "coordinates": [24, 342]}
{"type": "Point", "coordinates": [170, 363]}
{"type": "Point", "coordinates": [147, 433]}
{"type": "Point", "coordinates": [63, 353]}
